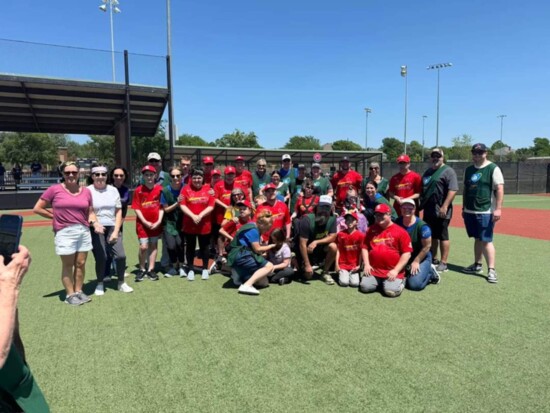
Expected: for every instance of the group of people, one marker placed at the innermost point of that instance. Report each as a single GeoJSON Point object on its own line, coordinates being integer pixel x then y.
{"type": "Point", "coordinates": [290, 224]}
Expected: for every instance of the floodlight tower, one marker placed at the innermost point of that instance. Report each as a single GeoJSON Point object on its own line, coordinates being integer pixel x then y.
{"type": "Point", "coordinates": [367, 111]}
{"type": "Point", "coordinates": [112, 5]}
{"type": "Point", "coordinates": [431, 67]}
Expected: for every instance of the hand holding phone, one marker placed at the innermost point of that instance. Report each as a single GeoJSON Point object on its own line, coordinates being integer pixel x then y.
{"type": "Point", "coordinates": [10, 235]}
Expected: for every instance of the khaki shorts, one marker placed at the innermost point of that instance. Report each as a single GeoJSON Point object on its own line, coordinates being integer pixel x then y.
{"type": "Point", "coordinates": [73, 239]}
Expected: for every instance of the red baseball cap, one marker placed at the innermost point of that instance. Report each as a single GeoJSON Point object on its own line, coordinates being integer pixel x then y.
{"type": "Point", "coordinates": [403, 158]}
{"type": "Point", "coordinates": [148, 168]}
{"type": "Point", "coordinates": [382, 208]}
{"type": "Point", "coordinates": [239, 158]}
{"type": "Point", "coordinates": [269, 186]}
{"type": "Point", "coordinates": [351, 213]}
{"type": "Point", "coordinates": [216, 172]}
{"type": "Point", "coordinates": [245, 203]}
{"type": "Point", "coordinates": [207, 160]}
{"type": "Point", "coordinates": [229, 170]}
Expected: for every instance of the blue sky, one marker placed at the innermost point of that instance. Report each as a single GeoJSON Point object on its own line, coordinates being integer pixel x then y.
{"type": "Point", "coordinates": [308, 67]}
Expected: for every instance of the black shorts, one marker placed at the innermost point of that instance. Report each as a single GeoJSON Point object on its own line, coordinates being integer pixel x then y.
{"type": "Point", "coordinates": [439, 227]}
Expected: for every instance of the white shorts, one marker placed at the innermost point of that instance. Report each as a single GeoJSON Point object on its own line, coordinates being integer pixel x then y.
{"type": "Point", "coordinates": [72, 239]}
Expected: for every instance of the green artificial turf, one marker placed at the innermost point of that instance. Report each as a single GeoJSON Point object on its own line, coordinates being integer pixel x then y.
{"type": "Point", "coordinates": [180, 346]}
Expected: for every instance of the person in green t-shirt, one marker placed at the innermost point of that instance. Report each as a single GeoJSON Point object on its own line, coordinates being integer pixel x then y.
{"type": "Point", "coordinates": [481, 208]}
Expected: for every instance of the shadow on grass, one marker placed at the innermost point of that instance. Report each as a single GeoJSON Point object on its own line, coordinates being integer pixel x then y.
{"type": "Point", "coordinates": [458, 269]}
{"type": "Point", "coordinates": [88, 288]}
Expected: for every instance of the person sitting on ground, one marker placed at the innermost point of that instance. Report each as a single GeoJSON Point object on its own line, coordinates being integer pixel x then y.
{"type": "Point", "coordinates": [386, 250]}
{"type": "Point", "coordinates": [249, 267]}
{"type": "Point", "coordinates": [280, 257]}
{"type": "Point", "coordinates": [349, 242]}
{"type": "Point", "coordinates": [419, 271]}
{"type": "Point", "coordinates": [317, 236]}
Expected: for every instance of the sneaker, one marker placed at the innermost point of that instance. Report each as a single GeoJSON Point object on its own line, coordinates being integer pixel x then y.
{"type": "Point", "coordinates": [435, 261]}
{"type": "Point", "coordinates": [171, 273]}
{"type": "Point", "coordinates": [213, 268]}
{"type": "Point", "coordinates": [327, 278]}
{"type": "Point", "coordinates": [107, 279]}
{"type": "Point", "coordinates": [99, 289]}
{"type": "Point", "coordinates": [182, 272]}
{"type": "Point", "coordinates": [475, 268]}
{"type": "Point", "coordinates": [492, 276]}
{"type": "Point", "coordinates": [73, 300]}
{"type": "Point", "coordinates": [441, 267]}
{"type": "Point", "coordinates": [205, 275]}
{"type": "Point", "coordinates": [125, 288]}
{"type": "Point", "coordinates": [436, 278]}
{"type": "Point", "coordinates": [235, 277]}
{"type": "Point", "coordinates": [191, 275]}
{"type": "Point", "coordinates": [245, 289]}
{"type": "Point", "coordinates": [282, 281]}
{"type": "Point", "coordinates": [152, 275]}
{"type": "Point", "coordinates": [140, 276]}
{"type": "Point", "coordinates": [83, 297]}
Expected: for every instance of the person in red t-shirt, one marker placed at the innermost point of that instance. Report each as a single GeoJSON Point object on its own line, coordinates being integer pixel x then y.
{"type": "Point", "coordinates": [146, 203]}
{"type": "Point", "coordinates": [197, 204]}
{"type": "Point", "coordinates": [405, 184]}
{"type": "Point", "coordinates": [386, 251]}
{"type": "Point", "coordinates": [243, 177]}
{"type": "Point", "coordinates": [342, 181]}
{"type": "Point", "coordinates": [349, 243]}
{"type": "Point", "coordinates": [307, 201]}
{"type": "Point", "coordinates": [279, 211]}
{"type": "Point", "coordinates": [208, 166]}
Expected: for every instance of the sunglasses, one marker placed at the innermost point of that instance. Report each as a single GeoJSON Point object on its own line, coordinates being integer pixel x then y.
{"type": "Point", "coordinates": [261, 166]}
{"type": "Point", "coordinates": [100, 174]}
{"type": "Point", "coordinates": [372, 168]}
{"type": "Point", "coordinates": [75, 173]}
{"type": "Point", "coordinates": [435, 155]}
{"type": "Point", "coordinates": [478, 152]}
{"type": "Point", "coordinates": [118, 176]}
{"type": "Point", "coordinates": [175, 176]}
{"type": "Point", "coordinates": [154, 161]}
{"type": "Point", "coordinates": [379, 215]}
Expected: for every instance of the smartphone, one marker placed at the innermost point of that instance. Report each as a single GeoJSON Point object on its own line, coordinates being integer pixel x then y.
{"type": "Point", "coordinates": [10, 235]}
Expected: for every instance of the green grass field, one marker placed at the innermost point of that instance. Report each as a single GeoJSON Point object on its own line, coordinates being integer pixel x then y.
{"type": "Point", "coordinates": [180, 346]}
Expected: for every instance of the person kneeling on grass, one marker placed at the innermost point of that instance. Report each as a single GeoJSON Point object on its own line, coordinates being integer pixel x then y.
{"type": "Point", "coordinates": [386, 250]}
{"type": "Point", "coordinates": [250, 268]}
{"type": "Point", "coordinates": [349, 242]}
{"type": "Point", "coordinates": [419, 270]}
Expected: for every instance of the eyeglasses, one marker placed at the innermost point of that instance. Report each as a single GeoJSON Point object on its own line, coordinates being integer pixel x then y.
{"type": "Point", "coordinates": [478, 152]}
{"type": "Point", "coordinates": [118, 176]}
{"type": "Point", "coordinates": [175, 176]}
{"type": "Point", "coordinates": [286, 160]}
{"type": "Point", "coordinates": [100, 174]}
{"type": "Point", "coordinates": [261, 166]}
{"type": "Point", "coordinates": [70, 173]}
{"type": "Point", "coordinates": [154, 160]}
{"type": "Point", "coordinates": [372, 168]}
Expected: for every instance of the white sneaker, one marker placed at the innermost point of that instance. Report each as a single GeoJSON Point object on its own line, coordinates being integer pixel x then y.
{"type": "Point", "coordinates": [107, 279]}
{"type": "Point", "coordinates": [235, 277]}
{"type": "Point", "coordinates": [99, 290]}
{"type": "Point", "coordinates": [125, 288]}
{"type": "Point", "coordinates": [245, 289]}
{"type": "Point", "coordinates": [205, 275]}
{"type": "Point", "coordinates": [191, 275]}
{"type": "Point", "coordinates": [171, 272]}
{"type": "Point", "coordinates": [182, 272]}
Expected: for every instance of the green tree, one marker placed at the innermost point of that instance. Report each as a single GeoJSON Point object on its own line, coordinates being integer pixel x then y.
{"type": "Point", "coordinates": [541, 147]}
{"type": "Point", "coordinates": [462, 145]}
{"type": "Point", "coordinates": [303, 142]}
{"type": "Point", "coordinates": [392, 147]}
{"type": "Point", "coordinates": [238, 139]}
{"type": "Point", "coordinates": [191, 140]}
{"type": "Point", "coordinates": [414, 150]}
{"type": "Point", "coordinates": [142, 146]}
{"type": "Point", "coordinates": [345, 145]}
{"type": "Point", "coordinates": [100, 147]}
{"type": "Point", "coordinates": [27, 147]}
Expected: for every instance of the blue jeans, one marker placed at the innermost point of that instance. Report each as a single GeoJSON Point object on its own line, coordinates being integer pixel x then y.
{"type": "Point", "coordinates": [422, 278]}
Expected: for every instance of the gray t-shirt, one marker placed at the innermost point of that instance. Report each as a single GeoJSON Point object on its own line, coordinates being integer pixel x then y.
{"type": "Point", "coordinates": [277, 257]}
{"type": "Point", "coordinates": [105, 203]}
{"type": "Point", "coordinates": [446, 182]}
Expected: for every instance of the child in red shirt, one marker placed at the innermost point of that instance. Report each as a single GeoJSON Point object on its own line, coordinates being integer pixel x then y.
{"type": "Point", "coordinates": [349, 242]}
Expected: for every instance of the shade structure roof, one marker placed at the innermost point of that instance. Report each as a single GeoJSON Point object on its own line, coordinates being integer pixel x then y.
{"type": "Point", "coordinates": [45, 105]}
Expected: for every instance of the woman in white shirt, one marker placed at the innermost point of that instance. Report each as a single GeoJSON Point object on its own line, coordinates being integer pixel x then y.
{"type": "Point", "coordinates": [107, 243]}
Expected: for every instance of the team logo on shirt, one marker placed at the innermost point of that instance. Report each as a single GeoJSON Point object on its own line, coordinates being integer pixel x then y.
{"type": "Point", "coordinates": [475, 177]}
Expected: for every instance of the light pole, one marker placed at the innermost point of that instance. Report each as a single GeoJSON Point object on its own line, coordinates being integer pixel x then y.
{"type": "Point", "coordinates": [502, 143]}
{"type": "Point", "coordinates": [438, 66]}
{"type": "Point", "coordinates": [423, 124]}
{"type": "Point", "coordinates": [113, 8]}
{"type": "Point", "coordinates": [404, 74]}
{"type": "Point", "coordinates": [367, 111]}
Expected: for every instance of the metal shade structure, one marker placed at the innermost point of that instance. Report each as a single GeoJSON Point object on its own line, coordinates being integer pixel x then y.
{"type": "Point", "coordinates": [43, 105]}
